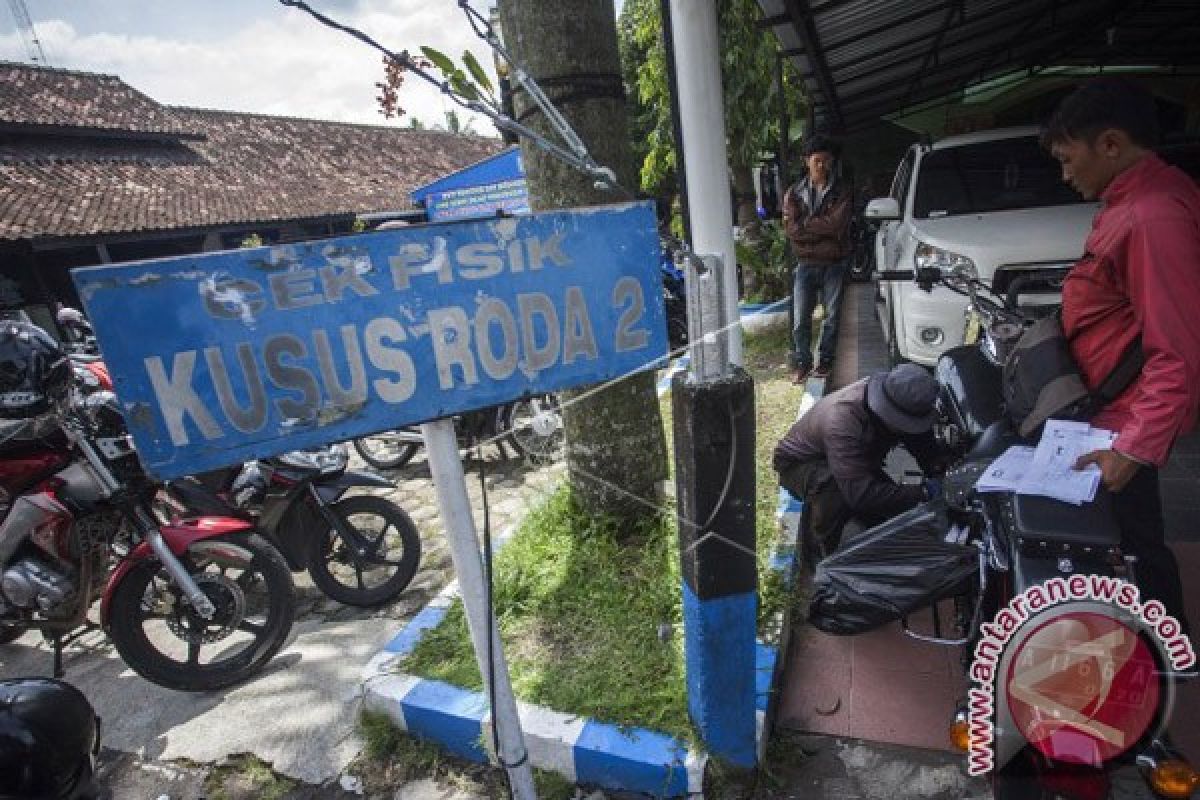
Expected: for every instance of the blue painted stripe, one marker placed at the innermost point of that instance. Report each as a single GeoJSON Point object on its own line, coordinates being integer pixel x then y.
{"type": "Point", "coordinates": [408, 638]}
{"type": "Point", "coordinates": [719, 650]}
{"type": "Point", "coordinates": [678, 365]}
{"type": "Point", "coordinates": [632, 759]}
{"type": "Point", "coordinates": [750, 309]}
{"type": "Point", "coordinates": [764, 671]}
{"type": "Point", "coordinates": [448, 715]}
{"type": "Point", "coordinates": [788, 502]}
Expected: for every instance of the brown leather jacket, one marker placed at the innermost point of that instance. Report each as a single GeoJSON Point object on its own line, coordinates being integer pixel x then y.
{"type": "Point", "coordinates": [822, 237]}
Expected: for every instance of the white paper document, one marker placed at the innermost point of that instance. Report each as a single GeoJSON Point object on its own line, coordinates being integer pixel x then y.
{"type": "Point", "coordinates": [1049, 470]}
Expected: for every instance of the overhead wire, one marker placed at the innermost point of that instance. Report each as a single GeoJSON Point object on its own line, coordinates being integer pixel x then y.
{"type": "Point", "coordinates": [574, 154]}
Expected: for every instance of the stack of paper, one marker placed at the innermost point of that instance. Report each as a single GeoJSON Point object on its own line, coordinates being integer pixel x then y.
{"type": "Point", "coordinates": [1049, 470]}
{"type": "Point", "coordinates": [1007, 472]}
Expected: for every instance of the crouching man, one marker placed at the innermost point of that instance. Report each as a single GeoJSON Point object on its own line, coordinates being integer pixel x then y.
{"type": "Point", "coordinates": [832, 458]}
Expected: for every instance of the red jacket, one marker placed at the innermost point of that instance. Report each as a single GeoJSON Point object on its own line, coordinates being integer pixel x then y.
{"type": "Point", "coordinates": [1141, 272]}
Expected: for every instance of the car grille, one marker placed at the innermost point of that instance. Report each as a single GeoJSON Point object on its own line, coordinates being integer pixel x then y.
{"type": "Point", "coordinates": [1049, 278]}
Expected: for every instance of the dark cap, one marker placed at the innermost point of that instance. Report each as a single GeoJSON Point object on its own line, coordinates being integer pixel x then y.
{"type": "Point", "coordinates": [904, 398]}
{"type": "Point", "coordinates": [820, 143]}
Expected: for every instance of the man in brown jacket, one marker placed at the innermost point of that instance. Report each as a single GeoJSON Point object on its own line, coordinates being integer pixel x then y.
{"type": "Point", "coordinates": [816, 217]}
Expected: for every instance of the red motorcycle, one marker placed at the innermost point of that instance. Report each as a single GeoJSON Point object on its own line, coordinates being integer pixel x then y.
{"type": "Point", "coordinates": [193, 604]}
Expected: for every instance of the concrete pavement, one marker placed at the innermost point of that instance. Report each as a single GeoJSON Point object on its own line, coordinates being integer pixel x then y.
{"type": "Point", "coordinates": [300, 715]}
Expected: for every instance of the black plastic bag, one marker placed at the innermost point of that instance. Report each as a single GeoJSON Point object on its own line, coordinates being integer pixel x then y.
{"type": "Point", "coordinates": [889, 571]}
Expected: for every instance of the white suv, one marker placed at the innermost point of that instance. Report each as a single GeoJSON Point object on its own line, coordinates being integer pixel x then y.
{"type": "Point", "coordinates": [991, 203]}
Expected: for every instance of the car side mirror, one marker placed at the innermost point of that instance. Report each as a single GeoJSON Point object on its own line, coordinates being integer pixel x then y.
{"type": "Point", "coordinates": [882, 208]}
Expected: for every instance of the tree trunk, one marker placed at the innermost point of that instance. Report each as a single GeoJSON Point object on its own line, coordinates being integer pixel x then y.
{"type": "Point", "coordinates": [748, 222]}
{"type": "Point", "coordinates": [616, 455]}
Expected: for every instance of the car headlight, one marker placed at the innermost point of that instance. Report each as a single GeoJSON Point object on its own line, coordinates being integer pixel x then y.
{"type": "Point", "coordinates": [928, 255]}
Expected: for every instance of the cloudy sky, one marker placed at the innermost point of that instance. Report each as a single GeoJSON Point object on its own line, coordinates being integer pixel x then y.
{"type": "Point", "coordinates": [251, 55]}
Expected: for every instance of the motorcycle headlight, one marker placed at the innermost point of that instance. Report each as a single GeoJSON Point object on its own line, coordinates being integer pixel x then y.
{"type": "Point", "coordinates": [928, 255]}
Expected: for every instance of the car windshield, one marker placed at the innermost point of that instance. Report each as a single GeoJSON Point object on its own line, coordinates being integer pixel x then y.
{"type": "Point", "coordinates": [989, 176]}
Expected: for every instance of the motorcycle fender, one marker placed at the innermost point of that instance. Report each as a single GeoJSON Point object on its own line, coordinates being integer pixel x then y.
{"type": "Point", "coordinates": [191, 535]}
{"type": "Point", "coordinates": [333, 488]}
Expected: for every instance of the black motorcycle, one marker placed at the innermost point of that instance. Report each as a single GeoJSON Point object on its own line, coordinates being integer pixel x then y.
{"type": "Point", "coordinates": [361, 550]}
{"type": "Point", "coordinates": [1025, 542]}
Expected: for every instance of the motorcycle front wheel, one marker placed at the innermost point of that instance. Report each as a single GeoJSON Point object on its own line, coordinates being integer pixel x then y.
{"type": "Point", "coordinates": [163, 639]}
{"type": "Point", "coordinates": [535, 427]}
{"type": "Point", "coordinates": [385, 450]}
{"type": "Point", "coordinates": [378, 559]}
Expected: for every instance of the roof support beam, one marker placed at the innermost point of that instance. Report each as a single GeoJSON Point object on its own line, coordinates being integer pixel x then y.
{"type": "Point", "coordinates": [775, 19]}
{"type": "Point", "coordinates": [1068, 44]}
{"type": "Point", "coordinates": [802, 18]}
{"type": "Point", "coordinates": [891, 65]}
{"type": "Point", "coordinates": [931, 55]}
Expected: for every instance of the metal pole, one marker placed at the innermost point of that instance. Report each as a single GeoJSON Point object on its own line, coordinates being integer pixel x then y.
{"type": "Point", "coordinates": [705, 161]}
{"type": "Point", "coordinates": [676, 135]}
{"type": "Point", "coordinates": [441, 447]}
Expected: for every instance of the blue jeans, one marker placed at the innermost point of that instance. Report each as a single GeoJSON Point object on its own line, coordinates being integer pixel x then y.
{"type": "Point", "coordinates": [809, 280]}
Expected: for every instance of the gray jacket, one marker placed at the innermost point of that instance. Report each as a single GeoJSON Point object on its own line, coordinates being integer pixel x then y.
{"type": "Point", "coordinates": [842, 431]}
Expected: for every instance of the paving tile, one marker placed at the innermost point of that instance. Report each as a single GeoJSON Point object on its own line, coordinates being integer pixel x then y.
{"type": "Point", "coordinates": [890, 648]}
{"type": "Point", "coordinates": [816, 696]}
{"type": "Point", "coordinates": [902, 707]}
{"type": "Point", "coordinates": [810, 644]}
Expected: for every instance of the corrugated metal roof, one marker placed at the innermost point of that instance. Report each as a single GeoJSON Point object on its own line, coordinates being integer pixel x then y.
{"type": "Point", "coordinates": [866, 59]}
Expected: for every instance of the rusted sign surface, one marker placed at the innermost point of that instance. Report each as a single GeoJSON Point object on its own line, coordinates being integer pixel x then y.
{"type": "Point", "coordinates": [222, 357]}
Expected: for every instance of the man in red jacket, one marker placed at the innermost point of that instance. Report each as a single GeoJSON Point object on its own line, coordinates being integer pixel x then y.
{"type": "Point", "coordinates": [1139, 276]}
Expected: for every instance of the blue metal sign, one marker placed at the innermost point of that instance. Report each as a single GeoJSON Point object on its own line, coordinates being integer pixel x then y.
{"type": "Point", "coordinates": [496, 183]}
{"type": "Point", "coordinates": [223, 357]}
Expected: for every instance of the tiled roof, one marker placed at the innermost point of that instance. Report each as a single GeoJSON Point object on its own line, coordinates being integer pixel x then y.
{"type": "Point", "coordinates": [247, 169]}
{"type": "Point", "coordinates": [40, 97]}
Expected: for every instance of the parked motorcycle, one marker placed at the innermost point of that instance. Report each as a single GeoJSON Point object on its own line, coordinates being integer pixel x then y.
{"type": "Point", "coordinates": [361, 550]}
{"type": "Point", "coordinates": [674, 295]}
{"type": "Point", "coordinates": [1024, 541]}
{"type": "Point", "coordinates": [193, 604]}
{"type": "Point", "coordinates": [532, 426]}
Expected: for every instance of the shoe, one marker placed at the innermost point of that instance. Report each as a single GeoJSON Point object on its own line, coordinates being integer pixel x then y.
{"type": "Point", "coordinates": [822, 371]}
{"type": "Point", "coordinates": [800, 374]}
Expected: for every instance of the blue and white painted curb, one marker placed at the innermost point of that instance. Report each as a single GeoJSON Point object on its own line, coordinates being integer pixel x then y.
{"type": "Point", "coordinates": [759, 316]}
{"type": "Point", "coordinates": [581, 750]}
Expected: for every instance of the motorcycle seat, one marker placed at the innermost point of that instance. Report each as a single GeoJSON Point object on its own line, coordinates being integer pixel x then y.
{"type": "Point", "coordinates": [1049, 527]}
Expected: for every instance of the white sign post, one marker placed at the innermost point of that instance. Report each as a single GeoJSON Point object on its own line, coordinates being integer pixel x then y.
{"type": "Point", "coordinates": [445, 465]}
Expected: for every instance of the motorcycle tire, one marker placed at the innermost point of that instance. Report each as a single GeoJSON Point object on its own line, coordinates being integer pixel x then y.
{"type": "Point", "coordinates": [341, 573]}
{"type": "Point", "coordinates": [10, 633]}
{"type": "Point", "coordinates": [535, 428]}
{"type": "Point", "coordinates": [146, 594]}
{"type": "Point", "coordinates": [382, 453]}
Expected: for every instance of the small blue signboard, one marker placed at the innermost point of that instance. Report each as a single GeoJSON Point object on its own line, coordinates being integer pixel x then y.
{"type": "Point", "coordinates": [496, 183]}
{"type": "Point", "coordinates": [223, 357]}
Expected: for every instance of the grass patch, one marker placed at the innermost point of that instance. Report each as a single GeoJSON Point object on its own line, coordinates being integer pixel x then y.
{"type": "Point", "coordinates": [245, 777]}
{"type": "Point", "coordinates": [392, 757]}
{"type": "Point", "coordinates": [776, 401]}
{"type": "Point", "coordinates": [580, 602]}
